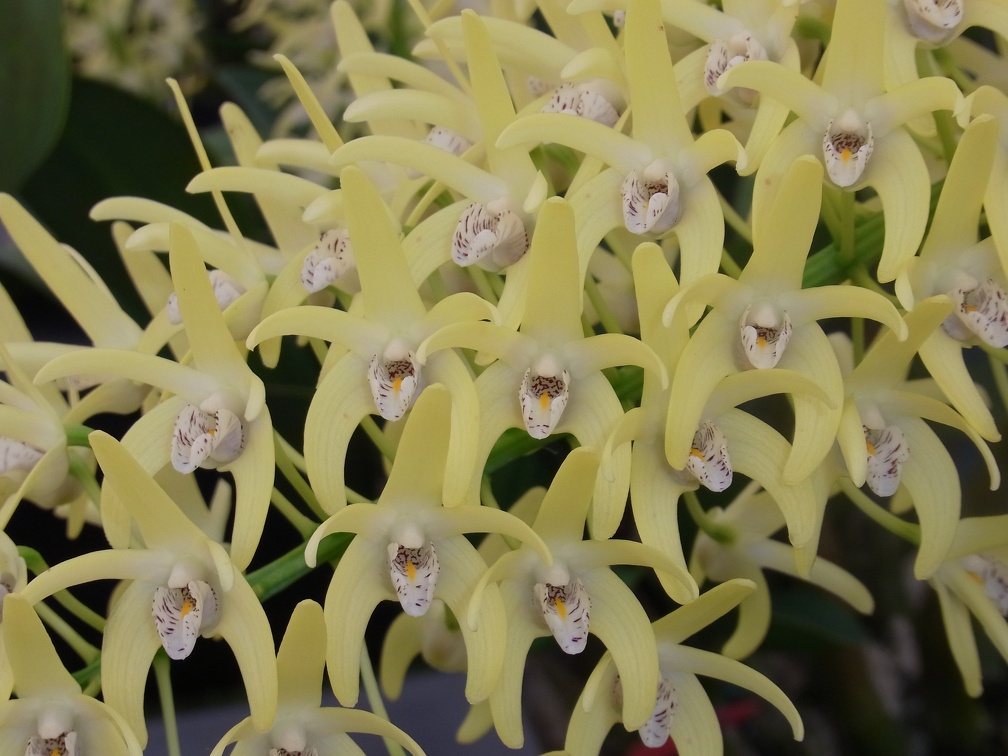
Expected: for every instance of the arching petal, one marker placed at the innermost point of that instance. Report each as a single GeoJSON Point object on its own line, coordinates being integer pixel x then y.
{"type": "Point", "coordinates": [254, 471]}
{"type": "Point", "coordinates": [942, 356]}
{"type": "Point", "coordinates": [962, 642]}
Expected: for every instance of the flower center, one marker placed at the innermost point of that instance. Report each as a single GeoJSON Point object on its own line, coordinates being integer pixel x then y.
{"type": "Point", "coordinates": [887, 451]}
{"type": "Point", "coordinates": [708, 458]}
{"type": "Point", "coordinates": [765, 333]}
{"type": "Point", "coordinates": [650, 200]}
{"type": "Point", "coordinates": [490, 238]}
{"type": "Point", "coordinates": [543, 396]}
{"type": "Point", "coordinates": [726, 54]}
{"type": "Point", "coordinates": [847, 145]}
{"type": "Point", "coordinates": [65, 744]}
{"type": "Point", "coordinates": [395, 380]}
{"type": "Point", "coordinates": [414, 575]}
{"type": "Point", "coordinates": [583, 100]}
{"type": "Point", "coordinates": [330, 260]}
{"type": "Point", "coordinates": [933, 21]}
{"type": "Point", "coordinates": [225, 290]}
{"type": "Point", "coordinates": [993, 574]}
{"type": "Point", "coordinates": [309, 751]}
{"type": "Point", "coordinates": [566, 610]}
{"type": "Point", "coordinates": [205, 439]}
{"type": "Point", "coordinates": [181, 614]}
{"type": "Point", "coordinates": [981, 311]}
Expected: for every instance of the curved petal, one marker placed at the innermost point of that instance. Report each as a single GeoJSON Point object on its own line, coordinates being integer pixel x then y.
{"type": "Point", "coordinates": [694, 729]}
{"type": "Point", "coordinates": [312, 321]}
{"type": "Point", "coordinates": [553, 300]}
{"type": "Point", "coordinates": [754, 614]}
{"type": "Point", "coordinates": [811, 103]}
{"type": "Point", "coordinates": [693, 617]}
{"type": "Point", "coordinates": [335, 720]}
{"type": "Point", "coordinates": [261, 182]}
{"type": "Point", "coordinates": [962, 642]}
{"type": "Point", "coordinates": [917, 98]}
{"type": "Point", "coordinates": [942, 356]}
{"type": "Point", "coordinates": [254, 471]}
{"type": "Point", "coordinates": [606, 350]}
{"type": "Point", "coordinates": [855, 64]}
{"type": "Point", "coordinates": [505, 700]}
{"type": "Point", "coordinates": [34, 663]}
{"type": "Point", "coordinates": [419, 468]}
{"type": "Point", "coordinates": [497, 342]}
{"type": "Point", "coordinates": [700, 231]}
{"type": "Point", "coordinates": [986, 611]}
{"type": "Point", "coordinates": [400, 647]}
{"type": "Point", "coordinates": [316, 113]}
{"type": "Point", "coordinates": [463, 443]}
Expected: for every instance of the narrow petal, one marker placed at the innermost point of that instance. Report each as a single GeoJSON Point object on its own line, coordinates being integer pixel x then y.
{"type": "Point", "coordinates": [942, 356]}
{"type": "Point", "coordinates": [316, 113]}
{"type": "Point", "coordinates": [855, 65]}
{"type": "Point", "coordinates": [754, 614]}
{"type": "Point", "coordinates": [36, 667]}
{"type": "Point", "coordinates": [260, 182]}
{"type": "Point", "coordinates": [914, 99]}
{"type": "Point", "coordinates": [337, 720]}
{"type": "Point", "coordinates": [253, 472]}
{"type": "Point", "coordinates": [401, 645]}
{"type": "Point", "coordinates": [553, 302]}
{"type": "Point", "coordinates": [811, 103]}
{"type": "Point", "coordinates": [418, 472]}
{"type": "Point", "coordinates": [694, 616]}
{"type": "Point", "coordinates": [506, 698]}
{"type": "Point", "coordinates": [695, 729]}
{"type": "Point", "coordinates": [337, 326]}
{"type": "Point", "coordinates": [562, 513]}
{"type": "Point", "coordinates": [463, 443]}
{"type": "Point", "coordinates": [496, 342]}
{"type": "Point", "coordinates": [962, 641]}
{"type": "Point", "coordinates": [700, 231]}
{"type": "Point", "coordinates": [611, 350]}
{"type": "Point", "coordinates": [985, 610]}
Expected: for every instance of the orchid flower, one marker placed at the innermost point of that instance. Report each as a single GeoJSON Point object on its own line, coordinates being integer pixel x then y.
{"type": "Point", "coordinates": [410, 547]}
{"type": "Point", "coordinates": [750, 520]}
{"type": "Point", "coordinates": [852, 125]}
{"type": "Point", "coordinates": [974, 580]}
{"type": "Point", "coordinates": [657, 177]}
{"type": "Point", "coordinates": [886, 443]}
{"type": "Point", "coordinates": [765, 320]}
{"type": "Point", "coordinates": [13, 578]}
{"type": "Point", "coordinates": [682, 711]}
{"type": "Point", "coordinates": [576, 595]}
{"type": "Point", "coordinates": [373, 365]}
{"type": "Point", "coordinates": [217, 417]}
{"type": "Point", "coordinates": [51, 715]}
{"type": "Point", "coordinates": [303, 727]}
{"type": "Point", "coordinates": [952, 262]}
{"type": "Point", "coordinates": [548, 378]}
{"type": "Point", "coordinates": [183, 586]}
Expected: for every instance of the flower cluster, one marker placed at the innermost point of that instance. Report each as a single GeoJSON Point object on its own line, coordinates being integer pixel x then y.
{"type": "Point", "coordinates": [606, 234]}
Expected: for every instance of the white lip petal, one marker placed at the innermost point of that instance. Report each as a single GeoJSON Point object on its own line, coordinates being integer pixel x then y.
{"type": "Point", "coordinates": [708, 459]}
{"type": "Point", "coordinates": [765, 333]}
{"type": "Point", "coordinates": [17, 455]}
{"type": "Point", "coordinates": [656, 730]}
{"type": "Point", "coordinates": [309, 751]}
{"type": "Point", "coordinates": [225, 289]}
{"type": "Point", "coordinates": [447, 140]}
{"type": "Point", "coordinates": [981, 311]}
{"type": "Point", "coordinates": [181, 614]}
{"type": "Point", "coordinates": [582, 100]}
{"type": "Point", "coordinates": [331, 259]}
{"type": "Point", "coordinates": [492, 239]}
{"type": "Point", "coordinates": [64, 744]}
{"type": "Point", "coordinates": [933, 21]}
{"type": "Point", "coordinates": [728, 53]}
{"type": "Point", "coordinates": [847, 145]}
{"type": "Point", "coordinates": [887, 452]}
{"type": "Point", "coordinates": [566, 610]}
{"type": "Point", "coordinates": [543, 397]}
{"type": "Point", "coordinates": [395, 380]}
{"type": "Point", "coordinates": [993, 573]}
{"type": "Point", "coordinates": [650, 201]}
{"type": "Point", "coordinates": [205, 439]}
{"type": "Point", "coordinates": [414, 574]}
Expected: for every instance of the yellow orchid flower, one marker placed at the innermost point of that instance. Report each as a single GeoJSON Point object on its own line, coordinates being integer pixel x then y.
{"type": "Point", "coordinates": [303, 727]}
{"type": "Point", "coordinates": [656, 181]}
{"type": "Point", "coordinates": [682, 711]}
{"type": "Point", "coordinates": [853, 126]}
{"type": "Point", "coordinates": [974, 580]}
{"type": "Point", "coordinates": [576, 595]}
{"type": "Point", "coordinates": [183, 586]}
{"type": "Point", "coordinates": [886, 443]}
{"type": "Point", "coordinates": [51, 715]}
{"type": "Point", "coordinates": [547, 377]}
{"type": "Point", "coordinates": [747, 549]}
{"type": "Point", "coordinates": [217, 417]}
{"type": "Point", "coordinates": [971, 272]}
{"type": "Point", "coordinates": [373, 365]}
{"type": "Point", "coordinates": [765, 320]}
{"type": "Point", "coordinates": [411, 548]}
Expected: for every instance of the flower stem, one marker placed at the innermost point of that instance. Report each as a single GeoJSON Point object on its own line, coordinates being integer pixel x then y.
{"type": "Point", "coordinates": [602, 309]}
{"type": "Point", "coordinates": [162, 673]}
{"type": "Point", "coordinates": [908, 531]}
{"type": "Point", "coordinates": [86, 478]}
{"type": "Point", "coordinates": [728, 264]}
{"type": "Point", "coordinates": [304, 525]}
{"type": "Point", "coordinates": [286, 570]}
{"type": "Point", "coordinates": [81, 647]}
{"type": "Point", "coordinates": [848, 246]}
{"type": "Point", "coordinates": [77, 435]}
{"type": "Point", "coordinates": [735, 222]}
{"type": "Point", "coordinates": [717, 531]}
{"type": "Point", "coordinates": [36, 564]}
{"type": "Point", "coordinates": [287, 464]}
{"type": "Point", "coordinates": [379, 439]}
{"type": "Point", "coordinates": [375, 699]}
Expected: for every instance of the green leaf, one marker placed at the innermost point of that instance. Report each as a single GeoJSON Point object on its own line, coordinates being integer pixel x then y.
{"type": "Point", "coordinates": [34, 86]}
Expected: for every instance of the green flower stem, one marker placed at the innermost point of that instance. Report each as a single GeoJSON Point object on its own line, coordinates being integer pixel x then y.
{"type": "Point", "coordinates": [865, 280]}
{"type": "Point", "coordinates": [90, 676]}
{"type": "Point", "coordinates": [717, 531]}
{"type": "Point", "coordinates": [87, 479]}
{"type": "Point", "coordinates": [379, 439]}
{"type": "Point", "coordinates": [848, 243]}
{"type": "Point", "coordinates": [1000, 373]}
{"type": "Point", "coordinates": [375, 699]}
{"type": "Point", "coordinates": [908, 531]}
{"type": "Point", "coordinates": [87, 652]}
{"type": "Point", "coordinates": [946, 133]}
{"type": "Point", "coordinates": [602, 309]}
{"type": "Point", "coordinates": [77, 435]}
{"type": "Point", "coordinates": [286, 570]}
{"type": "Point", "coordinates": [353, 497]}
{"type": "Point", "coordinates": [830, 212]}
{"type": "Point", "coordinates": [728, 264]}
{"type": "Point", "coordinates": [287, 464]}
{"type": "Point", "coordinates": [489, 500]}
{"type": "Point", "coordinates": [996, 354]}
{"type": "Point", "coordinates": [304, 525]}
{"type": "Point", "coordinates": [947, 65]}
{"type": "Point", "coordinates": [812, 28]}
{"type": "Point", "coordinates": [93, 685]}
{"type": "Point", "coordinates": [735, 222]}
{"type": "Point", "coordinates": [482, 283]}
{"type": "Point", "coordinates": [36, 564]}
{"type": "Point", "coordinates": [162, 674]}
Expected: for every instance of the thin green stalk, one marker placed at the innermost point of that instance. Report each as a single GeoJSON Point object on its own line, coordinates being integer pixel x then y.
{"type": "Point", "coordinates": [81, 647]}
{"type": "Point", "coordinates": [162, 674]}
{"type": "Point", "coordinates": [728, 264]}
{"type": "Point", "coordinates": [735, 222]}
{"type": "Point", "coordinates": [286, 570]}
{"type": "Point", "coordinates": [288, 468]}
{"type": "Point", "coordinates": [370, 427]}
{"type": "Point", "coordinates": [77, 435]}
{"type": "Point", "coordinates": [86, 478]}
{"type": "Point", "coordinates": [353, 497]}
{"type": "Point", "coordinates": [37, 565]}
{"type": "Point", "coordinates": [858, 339]}
{"type": "Point", "coordinates": [482, 282]}
{"type": "Point", "coordinates": [602, 308]}
{"type": "Point", "coordinates": [848, 246]}
{"type": "Point", "coordinates": [908, 531]}
{"type": "Point", "coordinates": [302, 524]}
{"type": "Point", "coordinates": [375, 699]}
{"type": "Point", "coordinates": [948, 66]}
{"type": "Point", "coordinates": [717, 531]}
{"type": "Point", "coordinates": [865, 280]}
{"type": "Point", "coordinates": [489, 500]}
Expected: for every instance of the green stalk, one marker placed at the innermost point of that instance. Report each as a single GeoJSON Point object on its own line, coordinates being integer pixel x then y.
{"type": "Point", "coordinates": [908, 531]}
{"type": "Point", "coordinates": [288, 468]}
{"type": "Point", "coordinates": [162, 674]}
{"type": "Point", "coordinates": [87, 652]}
{"type": "Point", "coordinates": [717, 531]}
{"type": "Point", "coordinates": [370, 427]}
{"type": "Point", "coordinates": [375, 699]}
{"type": "Point", "coordinates": [304, 526]}
{"type": "Point", "coordinates": [286, 570]}
{"type": "Point", "coordinates": [602, 308]}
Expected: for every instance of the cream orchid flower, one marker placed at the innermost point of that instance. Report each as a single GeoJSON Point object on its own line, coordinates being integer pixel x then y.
{"type": "Point", "coordinates": [410, 547]}
{"type": "Point", "coordinates": [747, 549]}
{"type": "Point", "coordinates": [303, 727]}
{"type": "Point", "coordinates": [217, 417]}
{"type": "Point", "coordinates": [547, 378]}
{"type": "Point", "coordinates": [373, 365]}
{"type": "Point", "coordinates": [13, 578]}
{"type": "Point", "coordinates": [886, 443]}
{"type": "Point", "coordinates": [51, 715]}
{"type": "Point", "coordinates": [682, 711]}
{"type": "Point", "coordinates": [657, 180]}
{"type": "Point", "coordinates": [576, 595]}
{"type": "Point", "coordinates": [765, 320]}
{"type": "Point", "coordinates": [852, 125]}
{"type": "Point", "coordinates": [974, 580]}
{"type": "Point", "coordinates": [183, 586]}
{"type": "Point", "coordinates": [952, 262]}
